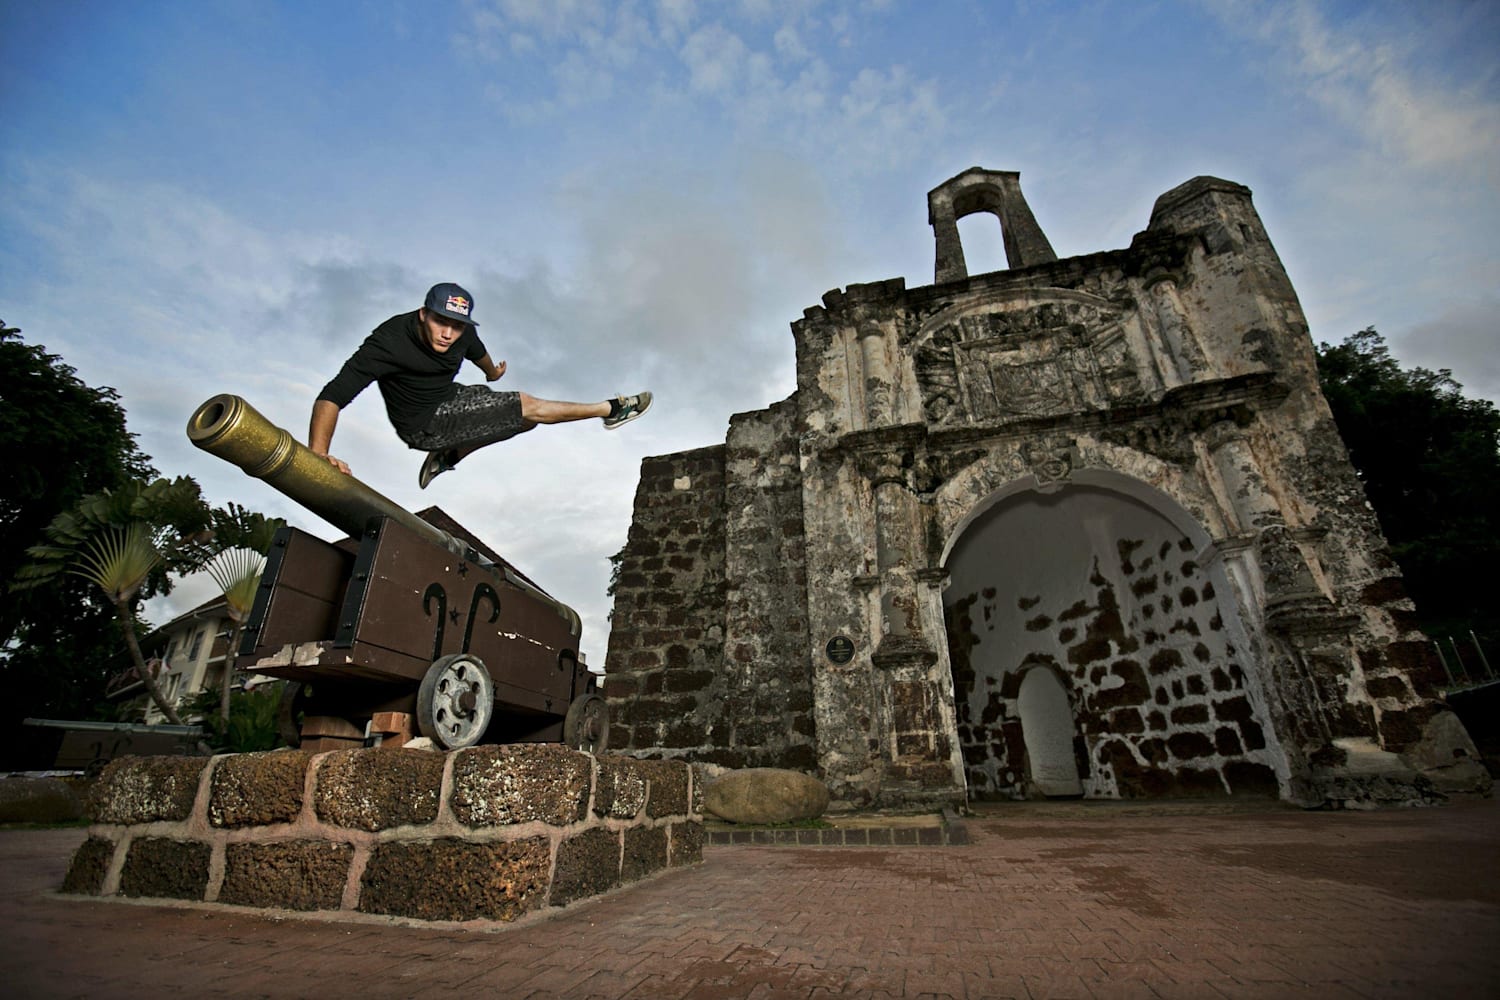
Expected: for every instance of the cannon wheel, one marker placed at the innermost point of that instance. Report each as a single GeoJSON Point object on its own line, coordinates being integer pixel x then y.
{"type": "Point", "coordinates": [455, 701]}
{"type": "Point", "coordinates": [586, 727]}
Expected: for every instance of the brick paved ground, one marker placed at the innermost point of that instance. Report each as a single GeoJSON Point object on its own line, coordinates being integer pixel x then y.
{"type": "Point", "coordinates": [1046, 902]}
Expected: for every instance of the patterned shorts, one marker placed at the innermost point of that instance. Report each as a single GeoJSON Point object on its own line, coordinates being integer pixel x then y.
{"type": "Point", "coordinates": [475, 413]}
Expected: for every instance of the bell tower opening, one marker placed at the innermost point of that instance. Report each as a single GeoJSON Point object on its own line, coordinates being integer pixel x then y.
{"type": "Point", "coordinates": [997, 193]}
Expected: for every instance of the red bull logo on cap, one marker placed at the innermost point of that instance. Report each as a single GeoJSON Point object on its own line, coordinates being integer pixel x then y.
{"type": "Point", "coordinates": [458, 304]}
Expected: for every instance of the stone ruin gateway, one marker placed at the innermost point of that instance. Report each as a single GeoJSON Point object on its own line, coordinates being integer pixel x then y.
{"type": "Point", "coordinates": [1079, 527]}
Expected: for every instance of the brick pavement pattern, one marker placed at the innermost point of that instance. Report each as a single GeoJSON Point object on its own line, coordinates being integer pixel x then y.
{"type": "Point", "coordinates": [1077, 901]}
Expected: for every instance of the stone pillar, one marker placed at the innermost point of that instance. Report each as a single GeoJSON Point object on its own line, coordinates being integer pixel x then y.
{"type": "Point", "coordinates": [916, 737]}
{"type": "Point", "coordinates": [894, 537]}
{"type": "Point", "coordinates": [1284, 574]}
{"type": "Point", "coordinates": [1316, 669]}
{"type": "Point", "coordinates": [950, 264]}
{"type": "Point", "coordinates": [879, 387]}
{"type": "Point", "coordinates": [1025, 243]}
{"type": "Point", "coordinates": [1184, 351]}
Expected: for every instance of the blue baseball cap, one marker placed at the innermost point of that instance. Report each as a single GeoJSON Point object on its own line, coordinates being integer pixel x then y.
{"type": "Point", "coordinates": [448, 299]}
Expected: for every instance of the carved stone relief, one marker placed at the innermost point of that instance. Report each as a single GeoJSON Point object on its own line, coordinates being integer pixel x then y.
{"type": "Point", "coordinates": [1016, 360]}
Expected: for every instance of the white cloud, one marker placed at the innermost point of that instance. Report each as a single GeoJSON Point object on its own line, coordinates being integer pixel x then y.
{"type": "Point", "coordinates": [760, 72]}
{"type": "Point", "coordinates": [715, 59]}
{"type": "Point", "coordinates": [789, 44]}
{"type": "Point", "coordinates": [1375, 87]}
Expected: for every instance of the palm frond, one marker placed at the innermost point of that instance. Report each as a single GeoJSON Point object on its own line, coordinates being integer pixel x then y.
{"type": "Point", "coordinates": [118, 560]}
{"type": "Point", "coordinates": [236, 572]}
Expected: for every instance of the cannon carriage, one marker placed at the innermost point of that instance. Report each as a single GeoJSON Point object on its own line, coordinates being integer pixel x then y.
{"type": "Point", "coordinates": [403, 627]}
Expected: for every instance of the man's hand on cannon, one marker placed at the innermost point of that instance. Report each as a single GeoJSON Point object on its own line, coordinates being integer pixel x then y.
{"type": "Point", "coordinates": [338, 463]}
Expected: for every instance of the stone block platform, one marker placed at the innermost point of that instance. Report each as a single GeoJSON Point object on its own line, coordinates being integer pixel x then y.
{"type": "Point", "coordinates": [487, 833]}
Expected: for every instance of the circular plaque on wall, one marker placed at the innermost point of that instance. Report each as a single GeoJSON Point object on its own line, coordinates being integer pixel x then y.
{"type": "Point", "coordinates": [840, 650]}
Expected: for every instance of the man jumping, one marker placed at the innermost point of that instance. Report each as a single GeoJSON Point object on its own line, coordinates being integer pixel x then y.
{"type": "Point", "coordinates": [415, 357]}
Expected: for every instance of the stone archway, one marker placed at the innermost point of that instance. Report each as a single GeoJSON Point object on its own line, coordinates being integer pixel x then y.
{"type": "Point", "coordinates": [1108, 588]}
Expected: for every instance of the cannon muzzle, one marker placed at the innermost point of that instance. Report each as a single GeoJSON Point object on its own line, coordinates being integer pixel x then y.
{"type": "Point", "coordinates": [232, 429]}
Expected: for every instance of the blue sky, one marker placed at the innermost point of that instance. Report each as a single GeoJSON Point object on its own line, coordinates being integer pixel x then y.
{"type": "Point", "coordinates": [227, 196]}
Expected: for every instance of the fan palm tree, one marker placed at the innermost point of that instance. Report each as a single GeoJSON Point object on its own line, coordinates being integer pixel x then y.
{"type": "Point", "coordinates": [126, 541]}
{"type": "Point", "coordinates": [241, 539]}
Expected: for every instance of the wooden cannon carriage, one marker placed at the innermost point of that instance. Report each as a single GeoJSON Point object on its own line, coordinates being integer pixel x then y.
{"type": "Point", "coordinates": [402, 627]}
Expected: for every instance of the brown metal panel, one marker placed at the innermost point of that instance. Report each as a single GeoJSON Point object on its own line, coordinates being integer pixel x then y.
{"type": "Point", "coordinates": [422, 602]}
{"type": "Point", "coordinates": [381, 664]}
{"type": "Point", "coordinates": [306, 594]}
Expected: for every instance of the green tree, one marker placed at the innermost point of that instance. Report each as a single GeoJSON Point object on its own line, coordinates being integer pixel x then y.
{"type": "Point", "coordinates": [253, 721]}
{"type": "Point", "coordinates": [1430, 462]}
{"type": "Point", "coordinates": [241, 539]}
{"type": "Point", "coordinates": [127, 542]}
{"type": "Point", "coordinates": [60, 440]}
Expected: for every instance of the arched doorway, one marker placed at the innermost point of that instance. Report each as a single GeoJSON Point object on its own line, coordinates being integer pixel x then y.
{"type": "Point", "coordinates": [1109, 589]}
{"type": "Point", "coordinates": [1048, 731]}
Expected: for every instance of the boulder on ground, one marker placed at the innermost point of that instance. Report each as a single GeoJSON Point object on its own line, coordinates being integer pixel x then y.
{"type": "Point", "coordinates": [38, 800]}
{"type": "Point", "coordinates": [765, 795]}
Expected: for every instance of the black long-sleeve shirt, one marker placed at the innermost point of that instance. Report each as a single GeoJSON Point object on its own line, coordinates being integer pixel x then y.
{"type": "Point", "coordinates": [414, 379]}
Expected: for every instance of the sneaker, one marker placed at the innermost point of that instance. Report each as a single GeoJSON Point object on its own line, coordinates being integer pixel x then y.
{"type": "Point", "coordinates": [630, 407]}
{"type": "Point", "coordinates": [435, 464]}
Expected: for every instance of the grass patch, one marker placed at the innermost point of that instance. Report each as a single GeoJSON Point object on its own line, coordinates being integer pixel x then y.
{"type": "Point", "coordinates": [62, 824]}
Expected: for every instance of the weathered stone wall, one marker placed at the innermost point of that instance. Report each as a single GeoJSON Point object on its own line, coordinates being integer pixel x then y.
{"type": "Point", "coordinates": [764, 692]}
{"type": "Point", "coordinates": [699, 666]}
{"type": "Point", "coordinates": [666, 640]}
{"type": "Point", "coordinates": [488, 833]}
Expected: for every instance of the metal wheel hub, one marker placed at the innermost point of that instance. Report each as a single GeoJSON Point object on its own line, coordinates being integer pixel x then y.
{"type": "Point", "coordinates": [587, 725]}
{"type": "Point", "coordinates": [456, 701]}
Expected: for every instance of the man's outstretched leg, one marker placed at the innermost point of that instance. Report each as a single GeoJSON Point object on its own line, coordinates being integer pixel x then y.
{"type": "Point", "coordinates": [496, 418]}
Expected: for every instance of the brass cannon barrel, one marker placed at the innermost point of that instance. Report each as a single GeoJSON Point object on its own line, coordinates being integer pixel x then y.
{"type": "Point", "coordinates": [230, 428]}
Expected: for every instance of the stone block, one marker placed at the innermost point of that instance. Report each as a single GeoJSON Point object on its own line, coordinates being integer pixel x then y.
{"type": "Point", "coordinates": [765, 795]}
{"type": "Point", "coordinates": [255, 789]}
{"type": "Point", "coordinates": [620, 789]}
{"type": "Point", "coordinates": [1227, 742]}
{"type": "Point", "coordinates": [1186, 746]}
{"type": "Point", "coordinates": [147, 789]}
{"type": "Point", "coordinates": [802, 757]}
{"type": "Point", "coordinates": [587, 865]}
{"type": "Point", "coordinates": [1447, 756]}
{"type": "Point", "coordinates": [645, 852]}
{"type": "Point", "coordinates": [298, 875]}
{"type": "Point", "coordinates": [502, 785]}
{"type": "Point", "coordinates": [89, 866]}
{"type": "Point", "coordinates": [668, 794]}
{"type": "Point", "coordinates": [394, 728]}
{"type": "Point", "coordinates": [164, 868]}
{"type": "Point", "coordinates": [1190, 715]}
{"type": "Point", "coordinates": [685, 844]}
{"type": "Point", "coordinates": [1250, 779]}
{"type": "Point", "coordinates": [453, 879]}
{"type": "Point", "coordinates": [379, 788]}
{"type": "Point", "coordinates": [1390, 686]}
